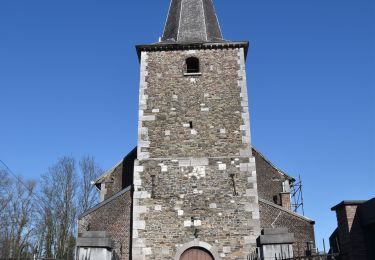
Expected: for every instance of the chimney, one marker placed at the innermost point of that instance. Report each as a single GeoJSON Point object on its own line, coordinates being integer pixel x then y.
{"type": "Point", "coordinates": [285, 196]}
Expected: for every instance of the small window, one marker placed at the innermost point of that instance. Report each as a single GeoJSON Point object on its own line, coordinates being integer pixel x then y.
{"type": "Point", "coordinates": [192, 65]}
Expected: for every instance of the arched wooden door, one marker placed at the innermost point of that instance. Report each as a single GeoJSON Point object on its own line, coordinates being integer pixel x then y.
{"type": "Point", "coordinates": [196, 253]}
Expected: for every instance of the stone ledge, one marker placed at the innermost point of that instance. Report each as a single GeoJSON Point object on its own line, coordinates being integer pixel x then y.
{"type": "Point", "coordinates": [94, 234]}
{"type": "Point", "coordinates": [274, 231]}
{"type": "Point", "coordinates": [286, 238]}
{"type": "Point", "coordinates": [94, 242]}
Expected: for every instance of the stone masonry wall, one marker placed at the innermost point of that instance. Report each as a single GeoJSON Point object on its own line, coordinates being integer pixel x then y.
{"type": "Point", "coordinates": [195, 198]}
{"type": "Point", "coordinates": [215, 103]}
{"type": "Point", "coordinates": [195, 175]}
{"type": "Point", "coordinates": [272, 216]}
{"type": "Point", "coordinates": [113, 216]}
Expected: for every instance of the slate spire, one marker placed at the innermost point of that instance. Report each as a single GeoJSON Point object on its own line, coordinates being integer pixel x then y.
{"type": "Point", "coordinates": [192, 21]}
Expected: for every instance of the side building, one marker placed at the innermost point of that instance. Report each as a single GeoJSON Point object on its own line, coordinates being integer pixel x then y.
{"type": "Point", "coordinates": [354, 238]}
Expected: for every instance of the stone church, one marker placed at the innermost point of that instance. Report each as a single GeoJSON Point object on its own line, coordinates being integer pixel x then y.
{"type": "Point", "coordinates": [194, 187]}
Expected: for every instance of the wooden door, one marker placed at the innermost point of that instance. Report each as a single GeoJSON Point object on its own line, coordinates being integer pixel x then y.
{"type": "Point", "coordinates": [196, 254]}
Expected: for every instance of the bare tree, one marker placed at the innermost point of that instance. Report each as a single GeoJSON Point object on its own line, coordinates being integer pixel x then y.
{"type": "Point", "coordinates": [60, 187]}
{"type": "Point", "coordinates": [5, 195]}
{"type": "Point", "coordinates": [17, 216]}
{"type": "Point", "coordinates": [23, 210]}
{"type": "Point", "coordinates": [88, 196]}
{"type": "Point", "coordinates": [5, 199]}
{"type": "Point", "coordinates": [46, 225]}
{"type": "Point", "coordinates": [43, 222]}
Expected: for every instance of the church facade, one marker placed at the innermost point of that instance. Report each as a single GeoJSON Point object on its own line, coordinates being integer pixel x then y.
{"type": "Point", "coordinates": [193, 188]}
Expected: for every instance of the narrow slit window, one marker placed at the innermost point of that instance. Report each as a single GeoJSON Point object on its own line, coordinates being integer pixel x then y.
{"type": "Point", "coordinates": [192, 65]}
{"type": "Point", "coordinates": [191, 124]}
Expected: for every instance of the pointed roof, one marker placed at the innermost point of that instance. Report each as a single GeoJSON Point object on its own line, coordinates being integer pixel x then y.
{"type": "Point", "coordinates": [192, 21]}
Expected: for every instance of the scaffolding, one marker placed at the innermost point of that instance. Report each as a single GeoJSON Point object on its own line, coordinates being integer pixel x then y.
{"type": "Point", "coordinates": [297, 196]}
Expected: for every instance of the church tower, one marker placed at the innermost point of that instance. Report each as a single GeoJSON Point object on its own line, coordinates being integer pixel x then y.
{"type": "Point", "coordinates": [195, 186]}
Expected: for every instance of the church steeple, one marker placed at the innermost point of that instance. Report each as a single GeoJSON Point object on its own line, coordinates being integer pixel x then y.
{"type": "Point", "coordinates": [192, 21]}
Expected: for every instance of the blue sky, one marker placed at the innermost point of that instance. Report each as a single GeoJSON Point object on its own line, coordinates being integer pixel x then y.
{"type": "Point", "coordinates": [69, 86]}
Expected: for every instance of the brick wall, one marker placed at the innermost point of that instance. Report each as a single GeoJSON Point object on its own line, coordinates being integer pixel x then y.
{"type": "Point", "coordinates": [352, 241]}
{"type": "Point", "coordinates": [113, 216]}
{"type": "Point", "coordinates": [285, 200]}
{"type": "Point", "coordinates": [120, 177]}
{"type": "Point", "coordinates": [269, 179]}
{"type": "Point", "coordinates": [112, 182]}
{"type": "Point", "coordinates": [272, 216]}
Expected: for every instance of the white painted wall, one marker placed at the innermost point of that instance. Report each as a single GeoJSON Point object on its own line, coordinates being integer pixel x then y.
{"type": "Point", "coordinates": [268, 252]}
{"type": "Point", "coordinates": [94, 254]}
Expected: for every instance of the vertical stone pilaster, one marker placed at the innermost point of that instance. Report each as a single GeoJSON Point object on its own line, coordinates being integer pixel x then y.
{"type": "Point", "coordinates": [242, 83]}
{"type": "Point", "coordinates": [143, 142]}
{"type": "Point", "coordinates": [138, 244]}
{"type": "Point", "coordinates": [247, 151]}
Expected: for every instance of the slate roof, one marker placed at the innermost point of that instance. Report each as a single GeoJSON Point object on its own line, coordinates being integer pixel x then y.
{"type": "Point", "coordinates": [192, 21]}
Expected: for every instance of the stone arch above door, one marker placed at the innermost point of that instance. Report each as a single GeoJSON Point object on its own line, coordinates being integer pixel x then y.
{"type": "Point", "coordinates": [196, 243]}
{"type": "Point", "coordinates": [196, 253]}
